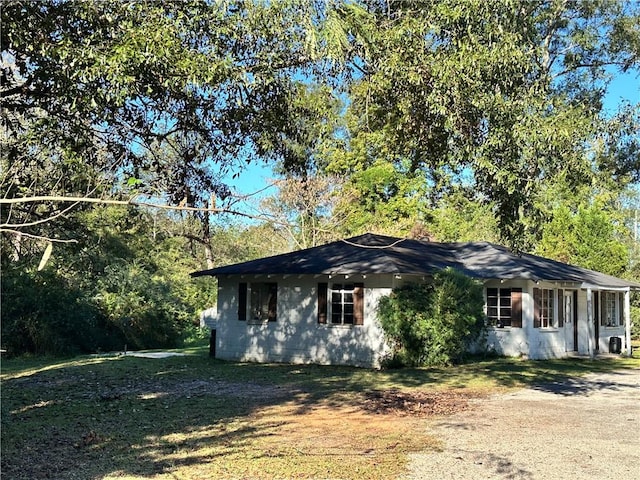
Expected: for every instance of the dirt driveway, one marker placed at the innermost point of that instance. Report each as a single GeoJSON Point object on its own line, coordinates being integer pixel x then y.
{"type": "Point", "coordinates": [586, 428]}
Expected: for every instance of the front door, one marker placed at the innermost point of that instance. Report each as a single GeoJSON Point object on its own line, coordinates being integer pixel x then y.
{"type": "Point", "coordinates": [570, 334]}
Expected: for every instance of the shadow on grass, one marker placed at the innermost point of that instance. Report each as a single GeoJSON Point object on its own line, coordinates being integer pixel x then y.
{"type": "Point", "coordinates": [97, 416]}
{"type": "Point", "coordinates": [93, 417]}
{"type": "Point", "coordinates": [573, 386]}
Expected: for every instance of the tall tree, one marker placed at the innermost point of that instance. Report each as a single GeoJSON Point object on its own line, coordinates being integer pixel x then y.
{"type": "Point", "coordinates": [302, 210]}
{"type": "Point", "coordinates": [109, 100]}
{"type": "Point", "coordinates": [509, 92]}
{"type": "Point", "coordinates": [587, 232]}
{"type": "Point", "coordinates": [90, 90]}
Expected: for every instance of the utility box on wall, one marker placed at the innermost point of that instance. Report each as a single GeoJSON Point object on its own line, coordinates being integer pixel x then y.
{"type": "Point", "coordinates": [615, 345]}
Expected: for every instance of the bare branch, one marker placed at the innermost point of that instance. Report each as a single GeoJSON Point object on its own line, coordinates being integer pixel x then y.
{"type": "Point", "coordinates": [38, 237]}
{"type": "Point", "coordinates": [38, 222]}
{"type": "Point", "coordinates": [106, 201]}
{"type": "Point", "coordinates": [130, 202]}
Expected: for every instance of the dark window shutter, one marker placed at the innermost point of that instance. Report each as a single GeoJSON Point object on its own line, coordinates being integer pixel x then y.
{"type": "Point", "coordinates": [621, 317]}
{"type": "Point", "coordinates": [516, 307]}
{"type": "Point", "coordinates": [575, 320]}
{"type": "Point", "coordinates": [273, 302]}
{"type": "Point", "coordinates": [242, 301]}
{"type": "Point", "coordinates": [560, 308]}
{"type": "Point", "coordinates": [322, 302]}
{"type": "Point", "coordinates": [358, 303]}
{"type": "Point", "coordinates": [537, 302]}
{"type": "Point", "coordinates": [596, 307]}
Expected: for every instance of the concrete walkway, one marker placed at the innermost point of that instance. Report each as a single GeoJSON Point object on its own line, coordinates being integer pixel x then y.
{"type": "Point", "coordinates": [153, 354]}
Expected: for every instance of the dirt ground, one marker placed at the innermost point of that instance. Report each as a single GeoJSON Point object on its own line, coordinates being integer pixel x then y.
{"type": "Point", "coordinates": [585, 428]}
{"type": "Point", "coordinates": [580, 428]}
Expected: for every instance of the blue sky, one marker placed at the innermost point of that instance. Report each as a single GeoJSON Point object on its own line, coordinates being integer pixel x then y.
{"type": "Point", "coordinates": [624, 87]}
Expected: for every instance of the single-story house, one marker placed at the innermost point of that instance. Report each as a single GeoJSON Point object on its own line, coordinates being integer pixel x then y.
{"type": "Point", "coordinates": [319, 305]}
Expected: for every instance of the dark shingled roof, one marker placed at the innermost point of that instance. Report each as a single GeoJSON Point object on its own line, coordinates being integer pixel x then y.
{"type": "Point", "coordinates": [371, 254]}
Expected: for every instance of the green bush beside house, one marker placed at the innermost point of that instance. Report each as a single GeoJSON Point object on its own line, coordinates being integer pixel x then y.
{"type": "Point", "coordinates": [433, 323]}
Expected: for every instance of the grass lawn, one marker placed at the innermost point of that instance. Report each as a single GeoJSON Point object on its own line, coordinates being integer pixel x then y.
{"type": "Point", "coordinates": [194, 417]}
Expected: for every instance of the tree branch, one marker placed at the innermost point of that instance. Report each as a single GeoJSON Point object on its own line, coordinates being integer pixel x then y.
{"type": "Point", "coordinates": [130, 202]}
{"type": "Point", "coordinates": [37, 237]}
{"type": "Point", "coordinates": [22, 89]}
{"type": "Point", "coordinates": [598, 64]}
{"type": "Point", "coordinates": [106, 201]}
{"type": "Point", "coordinates": [38, 222]}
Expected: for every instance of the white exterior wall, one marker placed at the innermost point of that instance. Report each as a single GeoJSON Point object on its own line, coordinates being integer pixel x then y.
{"type": "Point", "coordinates": [538, 343]}
{"type": "Point", "coordinates": [605, 332]}
{"type": "Point", "coordinates": [543, 343]}
{"type": "Point", "coordinates": [511, 341]}
{"type": "Point", "coordinates": [583, 324]}
{"type": "Point", "coordinates": [605, 335]}
{"type": "Point", "coordinates": [549, 342]}
{"type": "Point", "coordinates": [296, 336]}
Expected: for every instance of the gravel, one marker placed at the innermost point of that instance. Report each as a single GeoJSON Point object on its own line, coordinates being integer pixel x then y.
{"type": "Point", "coordinates": [586, 428]}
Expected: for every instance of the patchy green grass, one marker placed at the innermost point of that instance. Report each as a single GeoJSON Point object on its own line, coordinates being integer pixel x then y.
{"type": "Point", "coordinates": [193, 417]}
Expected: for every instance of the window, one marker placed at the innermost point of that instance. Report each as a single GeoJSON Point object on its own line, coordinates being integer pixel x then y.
{"type": "Point", "coordinates": [611, 309]}
{"type": "Point", "coordinates": [345, 302]}
{"type": "Point", "coordinates": [543, 308]}
{"type": "Point", "coordinates": [263, 301]}
{"type": "Point", "coordinates": [499, 306]}
{"type": "Point", "coordinates": [342, 303]}
{"type": "Point", "coordinates": [504, 307]}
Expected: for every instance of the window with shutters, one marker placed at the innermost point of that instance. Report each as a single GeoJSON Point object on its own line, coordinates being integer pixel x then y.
{"type": "Point", "coordinates": [504, 307]}
{"type": "Point", "coordinates": [341, 303]}
{"type": "Point", "coordinates": [262, 300]}
{"type": "Point", "coordinates": [544, 308]}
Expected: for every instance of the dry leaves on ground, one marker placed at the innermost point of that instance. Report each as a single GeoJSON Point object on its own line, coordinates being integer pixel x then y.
{"type": "Point", "coordinates": [416, 403]}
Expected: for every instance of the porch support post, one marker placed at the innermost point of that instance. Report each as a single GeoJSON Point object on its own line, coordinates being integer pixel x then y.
{"type": "Point", "coordinates": [590, 323]}
{"type": "Point", "coordinates": [627, 320]}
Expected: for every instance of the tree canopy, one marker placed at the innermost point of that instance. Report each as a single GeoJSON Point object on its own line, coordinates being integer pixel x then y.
{"type": "Point", "coordinates": [507, 94]}
{"type": "Point", "coordinates": [165, 97]}
{"type": "Point", "coordinates": [450, 120]}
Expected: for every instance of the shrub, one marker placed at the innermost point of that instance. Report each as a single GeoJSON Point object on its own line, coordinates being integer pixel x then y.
{"type": "Point", "coordinates": [433, 323]}
{"type": "Point", "coordinates": [42, 314]}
